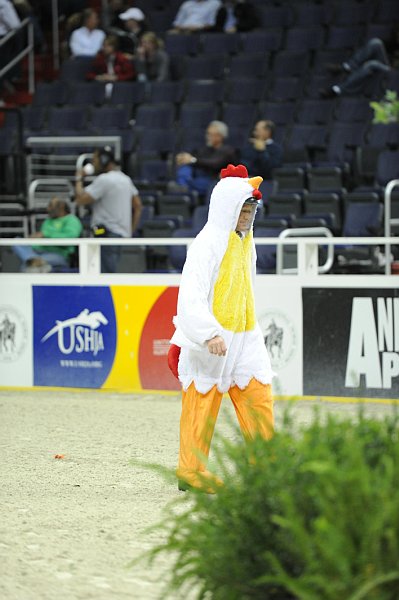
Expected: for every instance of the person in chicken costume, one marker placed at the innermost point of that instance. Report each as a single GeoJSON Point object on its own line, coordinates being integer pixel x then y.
{"type": "Point", "coordinates": [218, 345]}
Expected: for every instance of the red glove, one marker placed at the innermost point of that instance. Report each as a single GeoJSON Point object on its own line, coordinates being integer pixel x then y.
{"type": "Point", "coordinates": [173, 359]}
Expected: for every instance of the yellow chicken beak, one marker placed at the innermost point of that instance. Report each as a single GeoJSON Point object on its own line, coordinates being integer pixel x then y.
{"type": "Point", "coordinates": [255, 182]}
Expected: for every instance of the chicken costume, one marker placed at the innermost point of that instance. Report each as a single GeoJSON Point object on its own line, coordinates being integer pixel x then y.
{"type": "Point", "coordinates": [216, 299]}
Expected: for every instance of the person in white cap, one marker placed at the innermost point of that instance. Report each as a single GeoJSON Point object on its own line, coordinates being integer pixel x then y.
{"type": "Point", "coordinates": [134, 25]}
{"type": "Point", "coordinates": [218, 345]}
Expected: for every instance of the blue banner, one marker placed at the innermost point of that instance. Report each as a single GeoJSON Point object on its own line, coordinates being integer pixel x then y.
{"type": "Point", "coordinates": [74, 338]}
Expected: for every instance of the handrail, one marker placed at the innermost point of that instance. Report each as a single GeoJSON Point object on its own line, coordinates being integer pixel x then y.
{"type": "Point", "coordinates": [89, 248]}
{"type": "Point", "coordinates": [50, 181]}
{"type": "Point", "coordinates": [29, 49]}
{"type": "Point", "coordinates": [304, 232]}
{"type": "Point", "coordinates": [388, 221]}
{"type": "Point", "coordinates": [73, 140]}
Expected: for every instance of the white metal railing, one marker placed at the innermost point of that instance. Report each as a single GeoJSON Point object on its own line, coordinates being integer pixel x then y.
{"type": "Point", "coordinates": [304, 232]}
{"type": "Point", "coordinates": [40, 165]}
{"type": "Point", "coordinates": [29, 49]}
{"type": "Point", "coordinates": [387, 218]}
{"type": "Point", "coordinates": [89, 248]}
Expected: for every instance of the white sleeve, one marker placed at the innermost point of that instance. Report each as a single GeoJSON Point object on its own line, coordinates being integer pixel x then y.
{"type": "Point", "coordinates": [194, 316]}
{"type": "Point", "coordinates": [181, 15]}
{"type": "Point", "coordinates": [76, 44]}
{"type": "Point", "coordinates": [9, 16]}
{"type": "Point", "coordinates": [97, 187]}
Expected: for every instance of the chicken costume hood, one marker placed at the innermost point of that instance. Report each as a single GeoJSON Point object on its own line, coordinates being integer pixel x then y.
{"type": "Point", "coordinates": [216, 295]}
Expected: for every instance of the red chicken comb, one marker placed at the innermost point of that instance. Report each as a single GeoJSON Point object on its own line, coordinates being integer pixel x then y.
{"type": "Point", "coordinates": [234, 171]}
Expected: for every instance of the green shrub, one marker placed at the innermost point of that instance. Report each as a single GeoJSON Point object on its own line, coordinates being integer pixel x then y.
{"type": "Point", "coordinates": [387, 110]}
{"type": "Point", "coordinates": [311, 515]}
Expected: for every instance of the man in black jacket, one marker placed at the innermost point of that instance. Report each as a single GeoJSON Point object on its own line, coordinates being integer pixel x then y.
{"type": "Point", "coordinates": [236, 15]}
{"type": "Point", "coordinates": [199, 171]}
{"type": "Point", "coordinates": [262, 154]}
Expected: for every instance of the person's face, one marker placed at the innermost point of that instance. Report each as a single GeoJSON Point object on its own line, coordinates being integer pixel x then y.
{"type": "Point", "coordinates": [246, 218]}
{"type": "Point", "coordinates": [261, 132]}
{"type": "Point", "coordinates": [213, 137]}
{"type": "Point", "coordinates": [92, 21]}
{"type": "Point", "coordinates": [53, 209]}
{"type": "Point", "coordinates": [132, 25]}
{"type": "Point", "coordinates": [108, 48]}
{"type": "Point", "coordinates": [148, 45]}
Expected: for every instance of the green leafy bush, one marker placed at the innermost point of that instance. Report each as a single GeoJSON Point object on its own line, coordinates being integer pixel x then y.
{"type": "Point", "coordinates": [311, 515]}
{"type": "Point", "coordinates": [387, 110]}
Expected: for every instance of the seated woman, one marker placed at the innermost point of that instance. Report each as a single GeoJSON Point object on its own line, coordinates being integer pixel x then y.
{"type": "Point", "coordinates": [111, 65]}
{"type": "Point", "coordinates": [151, 60]}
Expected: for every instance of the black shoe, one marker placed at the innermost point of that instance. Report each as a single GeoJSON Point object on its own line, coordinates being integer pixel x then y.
{"type": "Point", "coordinates": [335, 68]}
{"type": "Point", "coordinates": [182, 486]}
{"type": "Point", "coordinates": [327, 93]}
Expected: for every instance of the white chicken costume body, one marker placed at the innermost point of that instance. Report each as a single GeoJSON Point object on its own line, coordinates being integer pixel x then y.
{"type": "Point", "coordinates": [216, 299]}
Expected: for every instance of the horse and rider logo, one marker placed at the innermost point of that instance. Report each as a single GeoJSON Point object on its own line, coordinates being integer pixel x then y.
{"type": "Point", "coordinates": [13, 334]}
{"type": "Point", "coordinates": [280, 338]}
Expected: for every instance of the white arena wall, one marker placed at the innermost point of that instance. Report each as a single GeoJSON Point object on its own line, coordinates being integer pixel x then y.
{"type": "Point", "coordinates": [329, 336]}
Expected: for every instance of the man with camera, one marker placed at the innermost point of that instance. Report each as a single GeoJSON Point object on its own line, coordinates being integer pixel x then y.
{"type": "Point", "coordinates": [115, 204]}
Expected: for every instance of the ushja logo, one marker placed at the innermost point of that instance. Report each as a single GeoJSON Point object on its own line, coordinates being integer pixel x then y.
{"type": "Point", "coordinates": [79, 334]}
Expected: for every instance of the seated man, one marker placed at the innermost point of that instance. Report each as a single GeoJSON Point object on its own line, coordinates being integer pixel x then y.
{"type": "Point", "coordinates": [87, 40]}
{"type": "Point", "coordinates": [198, 172]}
{"type": "Point", "coordinates": [262, 154]}
{"type": "Point", "coordinates": [196, 16]}
{"type": "Point", "coordinates": [367, 62]}
{"type": "Point", "coordinates": [60, 224]}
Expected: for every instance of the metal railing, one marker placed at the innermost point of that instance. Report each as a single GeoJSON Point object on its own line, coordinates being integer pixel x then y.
{"type": "Point", "coordinates": [89, 249]}
{"type": "Point", "coordinates": [387, 219]}
{"type": "Point", "coordinates": [28, 50]}
{"type": "Point", "coordinates": [40, 165]}
{"type": "Point", "coordinates": [303, 232]}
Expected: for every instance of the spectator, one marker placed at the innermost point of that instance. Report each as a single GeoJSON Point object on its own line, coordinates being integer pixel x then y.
{"type": "Point", "coordinates": [198, 172]}
{"type": "Point", "coordinates": [115, 203]}
{"type": "Point", "coordinates": [134, 25]}
{"type": "Point", "coordinates": [196, 16]}
{"type": "Point", "coordinates": [59, 224]}
{"type": "Point", "coordinates": [151, 61]}
{"type": "Point", "coordinates": [9, 20]}
{"type": "Point", "coordinates": [361, 67]}
{"type": "Point", "coordinates": [111, 65]}
{"type": "Point", "coordinates": [235, 15]}
{"type": "Point", "coordinates": [262, 154]}
{"type": "Point", "coordinates": [88, 39]}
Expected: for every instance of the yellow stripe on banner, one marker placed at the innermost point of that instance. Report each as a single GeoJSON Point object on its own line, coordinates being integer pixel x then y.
{"type": "Point", "coordinates": [132, 305]}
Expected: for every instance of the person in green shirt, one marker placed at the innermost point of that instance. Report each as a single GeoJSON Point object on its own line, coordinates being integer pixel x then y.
{"type": "Point", "coordinates": [59, 224]}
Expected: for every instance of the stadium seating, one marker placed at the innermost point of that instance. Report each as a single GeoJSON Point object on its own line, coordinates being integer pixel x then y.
{"type": "Point", "coordinates": [331, 147]}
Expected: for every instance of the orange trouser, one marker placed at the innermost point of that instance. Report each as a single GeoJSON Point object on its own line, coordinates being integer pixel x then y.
{"type": "Point", "coordinates": [254, 409]}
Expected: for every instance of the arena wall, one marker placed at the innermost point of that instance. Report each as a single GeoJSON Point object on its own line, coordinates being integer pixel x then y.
{"type": "Point", "coordinates": [328, 336]}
